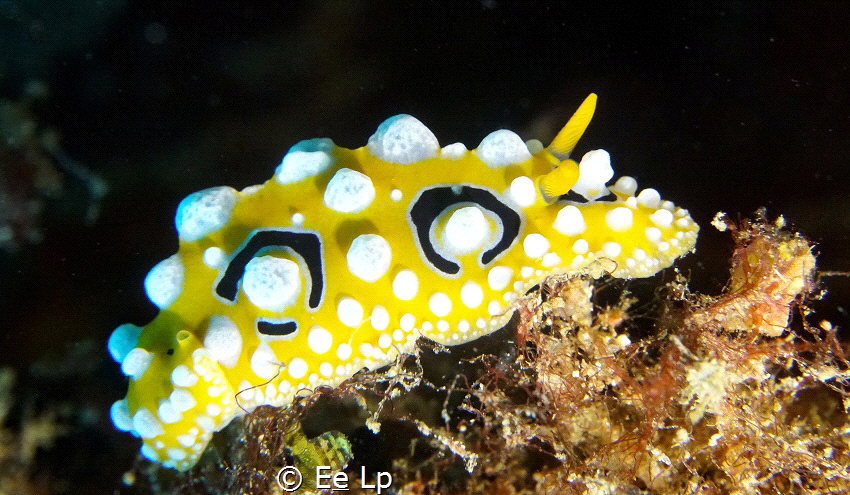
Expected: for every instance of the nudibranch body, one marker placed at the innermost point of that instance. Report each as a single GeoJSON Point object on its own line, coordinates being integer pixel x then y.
{"type": "Point", "coordinates": [346, 257]}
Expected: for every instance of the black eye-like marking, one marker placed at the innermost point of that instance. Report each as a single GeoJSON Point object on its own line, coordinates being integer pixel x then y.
{"type": "Point", "coordinates": [432, 202]}
{"type": "Point", "coordinates": [308, 245]}
{"type": "Point", "coordinates": [277, 329]}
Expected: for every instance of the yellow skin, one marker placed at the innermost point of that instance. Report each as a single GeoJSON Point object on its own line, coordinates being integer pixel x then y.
{"type": "Point", "coordinates": [624, 244]}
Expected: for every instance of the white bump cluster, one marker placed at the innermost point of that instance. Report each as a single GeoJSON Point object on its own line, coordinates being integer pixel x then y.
{"type": "Point", "coordinates": [165, 281]}
{"type": "Point", "coordinates": [146, 424]}
{"type": "Point", "coordinates": [349, 191]}
{"type": "Point", "coordinates": [305, 159]}
{"type": "Point", "coordinates": [271, 283]}
{"type": "Point", "coordinates": [522, 191]}
{"type": "Point", "coordinates": [369, 257]}
{"type": "Point", "coordinates": [204, 212]}
{"type": "Point", "coordinates": [404, 140]}
{"type": "Point", "coordinates": [501, 148]}
{"type": "Point", "coordinates": [593, 172]}
{"type": "Point", "coordinates": [570, 221]}
{"type": "Point", "coordinates": [223, 341]}
{"type": "Point", "coordinates": [122, 341]}
{"type": "Point", "coordinates": [466, 230]}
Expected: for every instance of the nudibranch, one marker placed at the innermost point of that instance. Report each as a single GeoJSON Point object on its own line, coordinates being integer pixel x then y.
{"type": "Point", "coordinates": [345, 258]}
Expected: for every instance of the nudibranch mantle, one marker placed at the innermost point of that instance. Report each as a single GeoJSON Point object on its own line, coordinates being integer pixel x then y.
{"type": "Point", "coordinates": [346, 257]}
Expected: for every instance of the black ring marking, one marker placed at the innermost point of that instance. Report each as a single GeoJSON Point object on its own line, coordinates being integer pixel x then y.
{"type": "Point", "coordinates": [432, 202]}
{"type": "Point", "coordinates": [308, 245]}
{"type": "Point", "coordinates": [276, 329]}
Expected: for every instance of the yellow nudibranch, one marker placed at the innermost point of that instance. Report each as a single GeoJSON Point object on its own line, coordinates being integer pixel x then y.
{"type": "Point", "coordinates": [345, 258]}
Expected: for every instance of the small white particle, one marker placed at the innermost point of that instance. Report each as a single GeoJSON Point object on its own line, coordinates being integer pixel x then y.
{"type": "Point", "coordinates": [499, 277]}
{"type": "Point", "coordinates": [494, 308]}
{"type": "Point", "coordinates": [366, 349]}
{"type": "Point", "coordinates": [480, 323]}
{"type": "Point", "coordinates": [326, 369]}
{"type": "Point", "coordinates": [653, 234]}
{"type": "Point", "coordinates": [164, 282]}
{"type": "Point", "coordinates": [122, 340]}
{"type": "Point", "coordinates": [619, 219]}
{"type": "Point", "coordinates": [396, 195]}
{"type": "Point", "coordinates": [612, 249]}
{"type": "Point", "coordinates": [182, 399]}
{"type": "Point", "coordinates": [501, 148]}
{"type": "Point", "coordinates": [350, 312]}
{"type": "Point", "coordinates": [663, 247]}
{"type": "Point", "coordinates": [120, 414]}
{"type": "Point", "coordinates": [182, 376]}
{"type": "Point", "coordinates": [682, 223]}
{"type": "Point", "coordinates": [649, 198]}
{"type": "Point", "coordinates": [551, 259]}
{"type": "Point", "coordinates": [385, 341]}
{"type": "Point", "coordinates": [264, 362]}
{"type": "Point", "coordinates": [146, 424]}
{"type": "Point", "coordinates": [662, 218]}
{"type": "Point", "coordinates": [223, 341]}
{"type": "Point", "coordinates": [297, 219]}
{"type": "Point", "coordinates": [380, 318]}
{"type": "Point", "coordinates": [581, 246]}
{"type": "Point", "coordinates": [404, 140]}
{"type": "Point", "coordinates": [214, 257]}
{"type": "Point", "coordinates": [204, 212]}
{"type": "Point", "coordinates": [271, 283]}
{"type": "Point", "coordinates": [443, 326]}
{"type": "Point", "coordinates": [136, 363]}
{"type": "Point", "coordinates": [407, 322]}
{"type": "Point", "coordinates": [167, 413]}
{"type": "Point", "coordinates": [471, 295]}
{"type": "Point", "coordinates": [405, 285]}
{"type": "Point", "coordinates": [305, 159]}
{"type": "Point", "coordinates": [523, 192]}
{"type": "Point", "coordinates": [176, 454]}
{"type": "Point", "coordinates": [440, 304]}
{"type": "Point", "coordinates": [570, 221]}
{"type": "Point", "coordinates": [369, 257]}
{"type": "Point", "coordinates": [639, 254]}
{"type": "Point", "coordinates": [319, 340]}
{"type": "Point", "coordinates": [535, 245]}
{"type": "Point", "coordinates": [297, 368]}
{"type": "Point", "coordinates": [463, 326]}
{"type": "Point", "coordinates": [625, 186]}
{"type": "Point", "coordinates": [526, 272]}
{"type": "Point", "coordinates": [186, 440]}
{"type": "Point", "coordinates": [343, 352]}
{"type": "Point", "coordinates": [149, 453]}
{"type": "Point", "coordinates": [454, 151]}
{"type": "Point", "coordinates": [205, 423]}
{"type": "Point", "coordinates": [349, 191]}
{"type": "Point", "coordinates": [398, 335]}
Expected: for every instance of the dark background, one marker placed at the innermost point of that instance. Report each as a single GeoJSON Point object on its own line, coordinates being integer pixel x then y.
{"type": "Point", "coordinates": [727, 105]}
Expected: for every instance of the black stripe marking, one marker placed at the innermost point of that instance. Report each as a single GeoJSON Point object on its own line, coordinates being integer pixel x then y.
{"type": "Point", "coordinates": [276, 329]}
{"type": "Point", "coordinates": [307, 245]}
{"type": "Point", "coordinates": [432, 202]}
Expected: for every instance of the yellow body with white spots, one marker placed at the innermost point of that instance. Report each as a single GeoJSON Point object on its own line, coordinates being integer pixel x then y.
{"type": "Point", "coordinates": [346, 257]}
